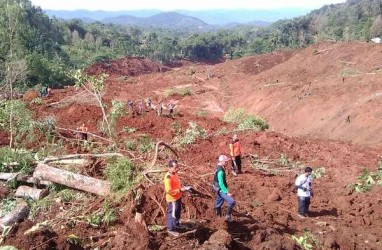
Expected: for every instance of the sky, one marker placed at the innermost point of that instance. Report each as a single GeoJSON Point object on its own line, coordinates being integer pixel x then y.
{"type": "Point", "coordinates": [168, 5]}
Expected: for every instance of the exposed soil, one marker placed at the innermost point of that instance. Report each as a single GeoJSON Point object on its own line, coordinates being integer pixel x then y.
{"type": "Point", "coordinates": [306, 96]}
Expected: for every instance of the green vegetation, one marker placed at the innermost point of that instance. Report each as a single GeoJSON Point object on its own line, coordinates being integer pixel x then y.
{"type": "Point", "coordinates": [202, 113]}
{"type": "Point", "coordinates": [122, 174]}
{"type": "Point", "coordinates": [130, 144]}
{"type": "Point", "coordinates": [145, 144]}
{"type": "Point", "coordinates": [244, 120]}
{"type": "Point", "coordinates": [318, 173]}
{"type": "Point", "coordinates": [16, 119]}
{"type": "Point", "coordinates": [106, 215]}
{"type": "Point", "coordinates": [177, 91]}
{"type": "Point", "coordinates": [6, 206]}
{"type": "Point", "coordinates": [368, 179]}
{"type": "Point", "coordinates": [307, 241]}
{"type": "Point", "coordinates": [193, 132]}
{"type": "Point", "coordinates": [23, 158]}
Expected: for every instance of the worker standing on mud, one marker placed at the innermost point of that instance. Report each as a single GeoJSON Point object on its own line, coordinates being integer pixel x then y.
{"type": "Point", "coordinates": [83, 132]}
{"type": "Point", "coordinates": [221, 189]}
{"type": "Point", "coordinates": [131, 106]}
{"type": "Point", "coordinates": [140, 107]}
{"type": "Point", "coordinates": [148, 103]}
{"type": "Point", "coordinates": [304, 192]}
{"type": "Point", "coordinates": [171, 107]}
{"type": "Point", "coordinates": [235, 152]}
{"type": "Point", "coordinates": [159, 109]}
{"type": "Point", "coordinates": [173, 190]}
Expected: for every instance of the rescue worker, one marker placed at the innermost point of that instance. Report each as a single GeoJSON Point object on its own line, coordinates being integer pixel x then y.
{"type": "Point", "coordinates": [159, 109]}
{"type": "Point", "coordinates": [221, 189]}
{"type": "Point", "coordinates": [171, 107]}
{"type": "Point", "coordinates": [83, 132]}
{"type": "Point", "coordinates": [304, 192]}
{"type": "Point", "coordinates": [235, 152]}
{"type": "Point", "coordinates": [173, 190]}
{"type": "Point", "coordinates": [44, 91]}
{"type": "Point", "coordinates": [140, 107]}
{"type": "Point", "coordinates": [131, 105]}
{"type": "Point", "coordinates": [148, 103]}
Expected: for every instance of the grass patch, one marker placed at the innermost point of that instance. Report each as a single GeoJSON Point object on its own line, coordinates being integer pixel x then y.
{"type": "Point", "coordinates": [15, 160]}
{"type": "Point", "coordinates": [6, 206]}
{"type": "Point", "coordinates": [122, 174]}
{"type": "Point", "coordinates": [145, 144]}
{"type": "Point", "coordinates": [244, 120]}
{"type": "Point", "coordinates": [193, 132]}
{"type": "Point", "coordinates": [177, 91]}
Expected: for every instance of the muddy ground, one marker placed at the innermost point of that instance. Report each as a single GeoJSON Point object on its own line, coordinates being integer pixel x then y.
{"type": "Point", "coordinates": [274, 86]}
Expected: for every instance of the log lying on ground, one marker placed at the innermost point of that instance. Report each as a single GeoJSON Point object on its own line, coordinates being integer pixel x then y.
{"type": "Point", "coordinates": [79, 156]}
{"type": "Point", "coordinates": [18, 213]}
{"type": "Point", "coordinates": [33, 193]}
{"type": "Point", "coordinates": [23, 178]}
{"type": "Point", "coordinates": [73, 180]}
{"type": "Point", "coordinates": [8, 176]}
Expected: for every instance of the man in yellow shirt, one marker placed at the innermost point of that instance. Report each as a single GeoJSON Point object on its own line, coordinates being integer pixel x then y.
{"type": "Point", "coordinates": [173, 190]}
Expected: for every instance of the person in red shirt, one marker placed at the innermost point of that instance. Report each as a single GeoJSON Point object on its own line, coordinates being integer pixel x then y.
{"type": "Point", "coordinates": [235, 152]}
{"type": "Point", "coordinates": [173, 189]}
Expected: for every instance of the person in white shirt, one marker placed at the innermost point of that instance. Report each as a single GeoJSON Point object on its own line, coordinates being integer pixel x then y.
{"type": "Point", "coordinates": [304, 192]}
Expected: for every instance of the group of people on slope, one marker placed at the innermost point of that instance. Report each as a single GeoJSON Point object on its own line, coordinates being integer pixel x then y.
{"type": "Point", "coordinates": [174, 189]}
{"type": "Point", "coordinates": [159, 108]}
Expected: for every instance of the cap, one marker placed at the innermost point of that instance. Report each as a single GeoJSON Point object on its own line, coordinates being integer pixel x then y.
{"type": "Point", "coordinates": [224, 158]}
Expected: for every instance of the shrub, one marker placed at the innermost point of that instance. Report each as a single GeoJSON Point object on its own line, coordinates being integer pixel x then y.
{"type": "Point", "coordinates": [318, 173]}
{"type": "Point", "coordinates": [308, 241]}
{"type": "Point", "coordinates": [177, 91]}
{"type": "Point", "coordinates": [193, 132]}
{"type": "Point", "coordinates": [22, 120]}
{"type": "Point", "coordinates": [145, 144]}
{"type": "Point", "coordinates": [130, 145]}
{"type": "Point", "coordinates": [24, 160]}
{"type": "Point", "coordinates": [122, 174]}
{"type": "Point", "coordinates": [368, 179]}
{"type": "Point", "coordinates": [244, 120]}
{"type": "Point", "coordinates": [6, 206]}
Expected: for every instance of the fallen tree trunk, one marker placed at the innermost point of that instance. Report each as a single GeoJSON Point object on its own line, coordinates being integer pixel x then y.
{"type": "Point", "coordinates": [23, 178]}
{"type": "Point", "coordinates": [18, 213]}
{"type": "Point", "coordinates": [73, 180]}
{"type": "Point", "coordinates": [38, 182]}
{"type": "Point", "coordinates": [28, 192]}
{"type": "Point", "coordinates": [8, 176]}
{"type": "Point", "coordinates": [80, 156]}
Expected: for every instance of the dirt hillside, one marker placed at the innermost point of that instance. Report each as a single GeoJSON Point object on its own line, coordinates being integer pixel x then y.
{"type": "Point", "coordinates": [317, 100]}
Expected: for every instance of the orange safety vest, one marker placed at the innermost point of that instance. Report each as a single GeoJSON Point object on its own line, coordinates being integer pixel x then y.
{"type": "Point", "coordinates": [83, 129]}
{"type": "Point", "coordinates": [235, 148]}
{"type": "Point", "coordinates": [172, 187]}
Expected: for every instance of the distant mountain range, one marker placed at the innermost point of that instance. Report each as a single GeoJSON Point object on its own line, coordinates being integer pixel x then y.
{"type": "Point", "coordinates": [181, 17]}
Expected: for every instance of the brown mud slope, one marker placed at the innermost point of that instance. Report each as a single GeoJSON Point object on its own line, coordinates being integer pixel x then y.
{"type": "Point", "coordinates": [265, 213]}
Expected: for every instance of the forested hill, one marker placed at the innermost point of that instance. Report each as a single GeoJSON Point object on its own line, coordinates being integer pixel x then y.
{"type": "Point", "coordinates": [38, 49]}
{"type": "Point", "coordinates": [170, 20]}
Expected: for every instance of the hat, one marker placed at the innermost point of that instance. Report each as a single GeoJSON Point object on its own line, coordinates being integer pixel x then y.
{"type": "Point", "coordinates": [224, 158]}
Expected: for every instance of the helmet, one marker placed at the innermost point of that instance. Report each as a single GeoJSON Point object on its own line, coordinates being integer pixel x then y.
{"type": "Point", "coordinates": [224, 158]}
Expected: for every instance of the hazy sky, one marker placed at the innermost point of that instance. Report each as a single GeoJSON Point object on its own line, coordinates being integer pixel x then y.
{"type": "Point", "coordinates": [178, 4]}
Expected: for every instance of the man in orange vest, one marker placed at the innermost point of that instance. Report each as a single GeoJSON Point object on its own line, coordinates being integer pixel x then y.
{"type": "Point", "coordinates": [235, 152]}
{"type": "Point", "coordinates": [83, 132]}
{"type": "Point", "coordinates": [173, 190]}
